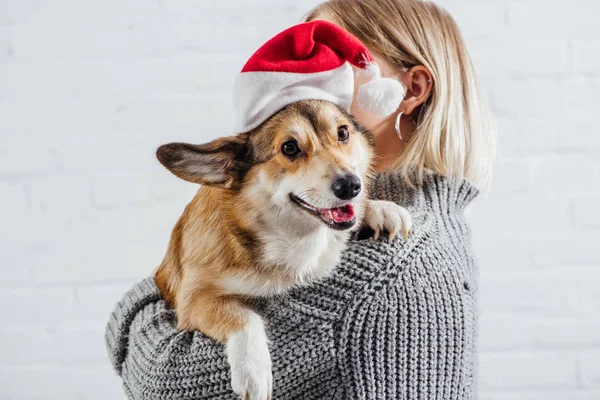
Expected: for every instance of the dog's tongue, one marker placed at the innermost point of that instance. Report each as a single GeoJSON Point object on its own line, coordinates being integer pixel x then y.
{"type": "Point", "coordinates": [339, 214]}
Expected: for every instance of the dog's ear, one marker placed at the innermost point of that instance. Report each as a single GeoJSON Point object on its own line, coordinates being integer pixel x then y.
{"type": "Point", "coordinates": [221, 162]}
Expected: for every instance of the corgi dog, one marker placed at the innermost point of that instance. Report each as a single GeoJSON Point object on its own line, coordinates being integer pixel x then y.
{"type": "Point", "coordinates": [275, 209]}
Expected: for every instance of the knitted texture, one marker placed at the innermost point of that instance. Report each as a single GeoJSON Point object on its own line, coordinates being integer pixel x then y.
{"type": "Point", "coordinates": [394, 320]}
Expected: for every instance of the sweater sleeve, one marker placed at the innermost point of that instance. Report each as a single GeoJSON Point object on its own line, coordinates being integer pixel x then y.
{"type": "Point", "coordinates": [156, 362]}
{"type": "Point", "coordinates": [154, 359]}
{"type": "Point", "coordinates": [409, 334]}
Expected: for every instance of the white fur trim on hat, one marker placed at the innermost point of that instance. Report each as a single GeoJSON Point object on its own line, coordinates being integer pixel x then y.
{"type": "Point", "coordinates": [380, 96]}
{"type": "Point", "coordinates": [259, 95]}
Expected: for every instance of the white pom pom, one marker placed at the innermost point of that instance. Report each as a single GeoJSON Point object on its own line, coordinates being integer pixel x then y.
{"type": "Point", "coordinates": [380, 96]}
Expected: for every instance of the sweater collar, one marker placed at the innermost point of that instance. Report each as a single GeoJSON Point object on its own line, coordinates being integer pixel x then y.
{"type": "Point", "coordinates": [436, 192]}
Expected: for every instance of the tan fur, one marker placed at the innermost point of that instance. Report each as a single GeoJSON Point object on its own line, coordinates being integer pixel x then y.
{"type": "Point", "coordinates": [242, 235]}
{"type": "Point", "coordinates": [216, 236]}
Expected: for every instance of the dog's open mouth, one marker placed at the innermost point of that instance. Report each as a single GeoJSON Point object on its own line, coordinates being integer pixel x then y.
{"type": "Point", "coordinates": [339, 218]}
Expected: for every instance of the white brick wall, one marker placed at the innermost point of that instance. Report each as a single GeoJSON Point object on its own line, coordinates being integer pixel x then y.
{"type": "Point", "coordinates": [88, 90]}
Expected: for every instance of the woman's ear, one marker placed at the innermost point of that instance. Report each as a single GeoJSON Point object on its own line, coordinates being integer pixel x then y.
{"type": "Point", "coordinates": [218, 163]}
{"type": "Point", "coordinates": [419, 83]}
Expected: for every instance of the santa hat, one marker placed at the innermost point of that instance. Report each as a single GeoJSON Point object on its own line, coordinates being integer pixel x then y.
{"type": "Point", "coordinates": [310, 61]}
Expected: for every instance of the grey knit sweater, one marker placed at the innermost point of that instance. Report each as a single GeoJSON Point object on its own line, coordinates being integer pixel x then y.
{"type": "Point", "coordinates": [394, 321]}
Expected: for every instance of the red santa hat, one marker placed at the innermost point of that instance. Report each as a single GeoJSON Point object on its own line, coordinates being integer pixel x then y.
{"type": "Point", "coordinates": [310, 61]}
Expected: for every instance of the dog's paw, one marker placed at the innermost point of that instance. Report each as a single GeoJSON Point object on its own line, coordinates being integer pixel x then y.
{"type": "Point", "coordinates": [250, 363]}
{"type": "Point", "coordinates": [251, 376]}
{"type": "Point", "coordinates": [384, 215]}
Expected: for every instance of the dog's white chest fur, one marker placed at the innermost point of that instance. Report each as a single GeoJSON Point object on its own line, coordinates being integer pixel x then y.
{"type": "Point", "coordinates": [303, 258]}
{"type": "Point", "coordinates": [309, 256]}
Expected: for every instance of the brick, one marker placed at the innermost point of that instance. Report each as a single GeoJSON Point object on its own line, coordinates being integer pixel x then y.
{"type": "Point", "coordinates": [183, 7]}
{"type": "Point", "coordinates": [537, 97]}
{"type": "Point", "coordinates": [130, 189]}
{"type": "Point", "coordinates": [61, 194]}
{"type": "Point", "coordinates": [124, 254]}
{"type": "Point", "coordinates": [589, 367]}
{"type": "Point", "coordinates": [178, 113]}
{"type": "Point", "coordinates": [508, 331]}
{"type": "Point", "coordinates": [68, 309]}
{"type": "Point", "coordinates": [518, 295]}
{"type": "Point", "coordinates": [541, 394]}
{"type": "Point", "coordinates": [14, 11]}
{"type": "Point", "coordinates": [15, 197]}
{"type": "Point", "coordinates": [583, 91]}
{"type": "Point", "coordinates": [500, 332]}
{"type": "Point", "coordinates": [51, 382]}
{"type": "Point", "coordinates": [557, 19]}
{"type": "Point", "coordinates": [202, 114]}
{"type": "Point", "coordinates": [90, 382]}
{"type": "Point", "coordinates": [479, 19]}
{"type": "Point", "coordinates": [6, 51]}
{"type": "Point", "coordinates": [96, 302]}
{"type": "Point", "coordinates": [559, 292]}
{"type": "Point", "coordinates": [524, 137]}
{"type": "Point", "coordinates": [132, 152]}
{"type": "Point", "coordinates": [36, 306]}
{"type": "Point", "coordinates": [52, 346]}
{"type": "Point", "coordinates": [537, 57]}
{"type": "Point", "coordinates": [577, 250]}
{"type": "Point", "coordinates": [34, 234]}
{"type": "Point", "coordinates": [573, 174]}
{"type": "Point", "coordinates": [130, 78]}
{"type": "Point", "coordinates": [108, 9]}
{"type": "Point", "coordinates": [512, 176]}
{"type": "Point", "coordinates": [20, 158]}
{"type": "Point", "coordinates": [123, 37]}
{"type": "Point", "coordinates": [558, 333]}
{"type": "Point", "coordinates": [543, 97]}
{"type": "Point", "coordinates": [527, 370]}
{"type": "Point", "coordinates": [92, 265]}
{"type": "Point", "coordinates": [586, 56]}
{"type": "Point", "coordinates": [500, 253]}
{"type": "Point", "coordinates": [545, 216]}
{"type": "Point", "coordinates": [18, 263]}
{"type": "Point", "coordinates": [129, 153]}
{"type": "Point", "coordinates": [241, 32]}
{"type": "Point", "coordinates": [586, 214]}
{"type": "Point", "coordinates": [91, 379]}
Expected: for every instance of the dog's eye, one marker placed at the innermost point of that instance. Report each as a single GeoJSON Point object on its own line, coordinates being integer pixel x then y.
{"type": "Point", "coordinates": [343, 134]}
{"type": "Point", "coordinates": [290, 148]}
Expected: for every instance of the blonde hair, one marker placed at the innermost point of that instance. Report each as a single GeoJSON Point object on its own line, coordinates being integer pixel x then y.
{"type": "Point", "coordinates": [455, 134]}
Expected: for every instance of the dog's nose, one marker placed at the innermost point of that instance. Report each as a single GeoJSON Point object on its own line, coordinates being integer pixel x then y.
{"type": "Point", "coordinates": [346, 187]}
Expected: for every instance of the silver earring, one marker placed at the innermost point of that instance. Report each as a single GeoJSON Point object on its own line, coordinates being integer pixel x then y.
{"type": "Point", "coordinates": [398, 131]}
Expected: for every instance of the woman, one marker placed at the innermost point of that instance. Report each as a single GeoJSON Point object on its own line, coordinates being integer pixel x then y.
{"type": "Point", "coordinates": [396, 320]}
